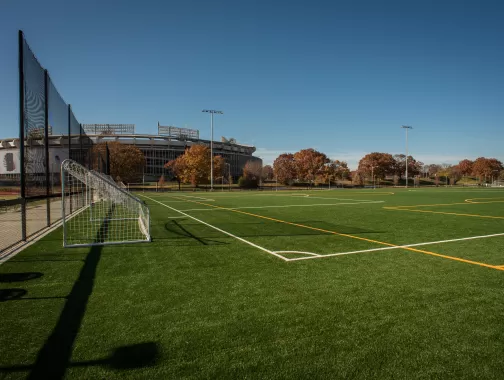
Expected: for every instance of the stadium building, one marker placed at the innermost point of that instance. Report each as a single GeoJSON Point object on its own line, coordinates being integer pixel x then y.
{"type": "Point", "coordinates": [168, 144]}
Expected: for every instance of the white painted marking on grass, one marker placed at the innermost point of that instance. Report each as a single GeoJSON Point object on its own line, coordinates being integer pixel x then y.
{"type": "Point", "coordinates": [176, 217]}
{"type": "Point", "coordinates": [300, 252]}
{"type": "Point", "coordinates": [398, 247]}
{"type": "Point", "coordinates": [282, 206]}
{"type": "Point", "coordinates": [220, 230]}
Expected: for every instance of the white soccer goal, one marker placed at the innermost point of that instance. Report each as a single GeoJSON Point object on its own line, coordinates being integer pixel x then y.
{"type": "Point", "coordinates": [97, 211]}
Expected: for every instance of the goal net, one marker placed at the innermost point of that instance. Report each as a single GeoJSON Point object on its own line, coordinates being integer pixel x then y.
{"type": "Point", "coordinates": [97, 211]}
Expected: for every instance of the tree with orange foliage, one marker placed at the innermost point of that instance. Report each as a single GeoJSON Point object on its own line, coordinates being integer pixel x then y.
{"type": "Point", "coordinates": [252, 170]}
{"type": "Point", "coordinates": [126, 161]}
{"type": "Point", "coordinates": [194, 165]}
{"type": "Point", "coordinates": [267, 173]}
{"type": "Point", "coordinates": [309, 164]}
{"type": "Point", "coordinates": [177, 167]}
{"type": "Point", "coordinates": [465, 167]}
{"type": "Point", "coordinates": [284, 168]}
{"type": "Point", "coordinates": [486, 167]}
{"type": "Point", "coordinates": [333, 170]}
{"type": "Point", "coordinates": [378, 164]}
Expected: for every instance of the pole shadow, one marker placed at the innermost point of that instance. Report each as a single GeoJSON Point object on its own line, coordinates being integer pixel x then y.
{"type": "Point", "coordinates": [54, 357]}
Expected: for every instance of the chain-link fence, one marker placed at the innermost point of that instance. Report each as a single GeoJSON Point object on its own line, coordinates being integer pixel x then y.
{"type": "Point", "coordinates": [30, 179]}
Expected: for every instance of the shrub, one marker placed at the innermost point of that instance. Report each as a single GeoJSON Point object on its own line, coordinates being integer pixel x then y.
{"type": "Point", "coordinates": [246, 183]}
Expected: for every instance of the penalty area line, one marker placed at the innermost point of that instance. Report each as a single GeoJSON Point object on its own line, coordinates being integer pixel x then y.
{"type": "Point", "coordinates": [220, 230]}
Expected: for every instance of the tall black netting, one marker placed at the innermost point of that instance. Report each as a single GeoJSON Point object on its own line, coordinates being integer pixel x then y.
{"type": "Point", "coordinates": [49, 133]}
{"type": "Point", "coordinates": [76, 146]}
{"type": "Point", "coordinates": [34, 126]}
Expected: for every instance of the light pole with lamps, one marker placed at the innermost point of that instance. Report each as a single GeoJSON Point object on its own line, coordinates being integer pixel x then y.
{"type": "Point", "coordinates": [211, 112]}
{"type": "Point", "coordinates": [406, 127]}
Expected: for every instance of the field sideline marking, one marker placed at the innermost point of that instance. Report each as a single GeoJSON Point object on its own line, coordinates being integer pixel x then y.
{"type": "Point", "coordinates": [317, 256]}
{"type": "Point", "coordinates": [358, 238]}
{"type": "Point", "coordinates": [281, 206]}
{"type": "Point", "coordinates": [218, 229]}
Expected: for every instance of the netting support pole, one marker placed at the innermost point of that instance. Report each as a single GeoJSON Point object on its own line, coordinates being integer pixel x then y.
{"type": "Point", "coordinates": [46, 145]}
{"type": "Point", "coordinates": [63, 206]}
{"type": "Point", "coordinates": [22, 136]}
{"type": "Point", "coordinates": [70, 150]}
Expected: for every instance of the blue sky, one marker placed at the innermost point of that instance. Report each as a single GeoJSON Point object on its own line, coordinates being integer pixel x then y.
{"type": "Point", "coordinates": [338, 76]}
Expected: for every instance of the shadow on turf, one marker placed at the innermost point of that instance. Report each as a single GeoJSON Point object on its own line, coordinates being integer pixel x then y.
{"type": "Point", "coordinates": [16, 293]}
{"type": "Point", "coordinates": [18, 277]}
{"type": "Point", "coordinates": [344, 229]}
{"type": "Point", "coordinates": [134, 356]}
{"type": "Point", "coordinates": [181, 231]}
{"type": "Point", "coordinates": [54, 357]}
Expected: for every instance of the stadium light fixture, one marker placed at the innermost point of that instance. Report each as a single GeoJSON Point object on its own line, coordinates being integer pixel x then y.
{"type": "Point", "coordinates": [211, 112]}
{"type": "Point", "coordinates": [406, 127]}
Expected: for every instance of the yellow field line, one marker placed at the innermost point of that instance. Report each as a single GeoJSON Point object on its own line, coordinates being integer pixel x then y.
{"type": "Point", "coordinates": [350, 236]}
{"type": "Point", "coordinates": [444, 213]}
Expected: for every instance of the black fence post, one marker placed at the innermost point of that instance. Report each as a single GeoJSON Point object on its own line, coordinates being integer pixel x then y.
{"type": "Point", "coordinates": [22, 136]}
{"type": "Point", "coordinates": [46, 145]}
{"type": "Point", "coordinates": [69, 151]}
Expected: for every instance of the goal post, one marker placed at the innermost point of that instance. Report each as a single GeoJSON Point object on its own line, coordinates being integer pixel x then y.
{"type": "Point", "coordinates": [97, 211]}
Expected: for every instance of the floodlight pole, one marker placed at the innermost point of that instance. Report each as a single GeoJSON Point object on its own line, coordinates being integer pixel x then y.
{"type": "Point", "coordinates": [211, 112]}
{"type": "Point", "coordinates": [406, 127]}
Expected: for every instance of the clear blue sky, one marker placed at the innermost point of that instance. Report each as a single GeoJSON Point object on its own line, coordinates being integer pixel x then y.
{"type": "Point", "coordinates": [338, 76]}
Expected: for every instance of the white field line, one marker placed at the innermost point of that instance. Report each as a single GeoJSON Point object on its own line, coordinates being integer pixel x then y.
{"type": "Point", "coordinates": [332, 198]}
{"type": "Point", "coordinates": [316, 256]}
{"type": "Point", "coordinates": [283, 206]}
{"type": "Point", "coordinates": [218, 229]}
{"type": "Point", "coordinates": [302, 252]}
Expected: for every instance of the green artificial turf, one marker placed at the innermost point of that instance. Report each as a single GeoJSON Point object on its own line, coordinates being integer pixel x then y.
{"type": "Point", "coordinates": [199, 303]}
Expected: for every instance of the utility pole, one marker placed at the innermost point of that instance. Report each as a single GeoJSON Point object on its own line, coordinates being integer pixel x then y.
{"type": "Point", "coordinates": [406, 127]}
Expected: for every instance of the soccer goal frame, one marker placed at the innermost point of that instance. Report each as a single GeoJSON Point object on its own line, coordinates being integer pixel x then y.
{"type": "Point", "coordinates": [97, 211]}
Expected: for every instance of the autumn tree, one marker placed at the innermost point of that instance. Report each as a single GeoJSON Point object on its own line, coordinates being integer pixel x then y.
{"type": "Point", "coordinates": [126, 161]}
{"type": "Point", "coordinates": [465, 167]}
{"type": "Point", "coordinates": [357, 178]}
{"type": "Point", "coordinates": [284, 168]}
{"type": "Point", "coordinates": [309, 163]}
{"type": "Point", "coordinates": [434, 169]}
{"type": "Point", "coordinates": [333, 170]}
{"type": "Point", "coordinates": [194, 165]}
{"type": "Point", "coordinates": [219, 165]}
{"type": "Point", "coordinates": [177, 167]}
{"type": "Point", "coordinates": [414, 166]}
{"type": "Point", "coordinates": [267, 173]}
{"type": "Point", "coordinates": [253, 170]}
{"type": "Point", "coordinates": [445, 171]}
{"type": "Point", "coordinates": [486, 167]}
{"type": "Point", "coordinates": [378, 164]}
